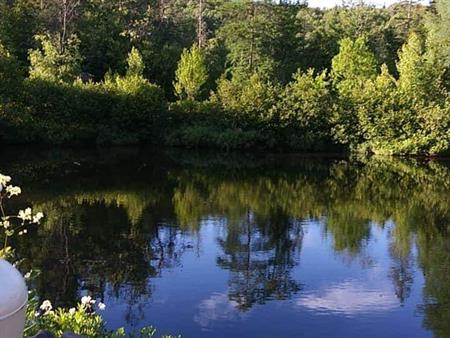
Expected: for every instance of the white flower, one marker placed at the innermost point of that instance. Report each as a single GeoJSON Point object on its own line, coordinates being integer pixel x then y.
{"type": "Point", "coordinates": [72, 310]}
{"type": "Point", "coordinates": [87, 300]}
{"type": "Point", "coordinates": [46, 306]}
{"type": "Point", "coordinates": [13, 191]}
{"type": "Point", "coordinates": [101, 306]}
{"type": "Point", "coordinates": [25, 215]}
{"type": "Point", "coordinates": [6, 224]}
{"type": "Point", "coordinates": [37, 218]}
{"type": "Point", "coordinates": [23, 232]}
{"type": "Point", "coordinates": [4, 180]}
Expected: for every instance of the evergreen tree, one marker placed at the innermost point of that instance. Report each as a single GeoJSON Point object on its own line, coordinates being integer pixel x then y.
{"type": "Point", "coordinates": [135, 63]}
{"type": "Point", "coordinates": [353, 69]}
{"type": "Point", "coordinates": [191, 74]}
{"type": "Point", "coordinates": [438, 40]}
{"type": "Point", "coordinates": [418, 78]}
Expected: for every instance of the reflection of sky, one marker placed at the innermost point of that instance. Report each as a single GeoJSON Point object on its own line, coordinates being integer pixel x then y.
{"type": "Point", "coordinates": [217, 307]}
{"type": "Point", "coordinates": [353, 290]}
{"type": "Point", "coordinates": [348, 297]}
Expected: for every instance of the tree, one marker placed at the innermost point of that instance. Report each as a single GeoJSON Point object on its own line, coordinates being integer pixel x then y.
{"type": "Point", "coordinates": [248, 101]}
{"type": "Point", "coordinates": [249, 34]}
{"type": "Point", "coordinates": [418, 78]}
{"type": "Point", "coordinates": [9, 75]}
{"type": "Point", "coordinates": [135, 63]}
{"type": "Point", "coordinates": [19, 23]}
{"type": "Point", "coordinates": [191, 74]}
{"type": "Point", "coordinates": [304, 110]}
{"type": "Point", "coordinates": [438, 39]}
{"type": "Point", "coordinates": [103, 43]}
{"type": "Point", "coordinates": [353, 66]}
{"type": "Point", "coordinates": [50, 64]}
{"type": "Point", "coordinates": [352, 70]}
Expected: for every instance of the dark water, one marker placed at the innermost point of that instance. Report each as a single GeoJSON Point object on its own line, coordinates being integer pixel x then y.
{"type": "Point", "coordinates": [228, 245]}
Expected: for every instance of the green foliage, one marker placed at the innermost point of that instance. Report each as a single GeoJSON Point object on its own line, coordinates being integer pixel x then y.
{"type": "Point", "coordinates": [191, 74]}
{"type": "Point", "coordinates": [87, 90]}
{"type": "Point", "coordinates": [378, 115]}
{"type": "Point", "coordinates": [135, 64]}
{"type": "Point", "coordinates": [83, 319]}
{"type": "Point", "coordinates": [18, 26]}
{"type": "Point", "coordinates": [202, 124]}
{"type": "Point", "coordinates": [10, 77]}
{"type": "Point", "coordinates": [304, 111]}
{"type": "Point", "coordinates": [100, 27]}
{"type": "Point", "coordinates": [138, 112]}
{"type": "Point", "coordinates": [121, 110]}
{"type": "Point", "coordinates": [247, 100]}
{"type": "Point", "coordinates": [50, 63]}
{"type": "Point", "coordinates": [352, 71]}
{"type": "Point", "coordinates": [248, 34]}
{"type": "Point", "coordinates": [352, 67]}
{"type": "Point", "coordinates": [438, 24]}
{"type": "Point", "coordinates": [418, 79]}
{"type": "Point", "coordinates": [80, 320]}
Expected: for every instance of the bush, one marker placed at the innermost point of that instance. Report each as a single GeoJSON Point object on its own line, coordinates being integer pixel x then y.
{"type": "Point", "coordinates": [247, 101]}
{"type": "Point", "coordinates": [304, 112]}
{"type": "Point", "coordinates": [121, 110]}
{"type": "Point", "coordinates": [203, 124]}
{"type": "Point", "coordinates": [138, 112]}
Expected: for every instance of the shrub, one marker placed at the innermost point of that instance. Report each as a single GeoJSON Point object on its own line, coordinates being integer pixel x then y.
{"type": "Point", "coordinates": [247, 101]}
{"type": "Point", "coordinates": [304, 112]}
{"type": "Point", "coordinates": [121, 110]}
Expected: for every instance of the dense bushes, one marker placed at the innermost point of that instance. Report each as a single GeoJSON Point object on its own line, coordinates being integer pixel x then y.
{"type": "Point", "coordinates": [120, 110]}
{"type": "Point", "coordinates": [304, 112]}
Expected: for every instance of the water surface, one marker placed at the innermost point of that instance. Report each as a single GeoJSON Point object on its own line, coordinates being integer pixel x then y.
{"type": "Point", "coordinates": [242, 245]}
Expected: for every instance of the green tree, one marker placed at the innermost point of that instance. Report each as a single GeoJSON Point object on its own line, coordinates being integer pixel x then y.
{"type": "Point", "coordinates": [136, 65]}
{"type": "Point", "coordinates": [19, 23]}
{"type": "Point", "coordinates": [191, 74]}
{"type": "Point", "coordinates": [353, 66]}
{"type": "Point", "coordinates": [304, 111]}
{"type": "Point", "coordinates": [247, 101]}
{"type": "Point", "coordinates": [101, 27]}
{"type": "Point", "coordinates": [418, 78]}
{"type": "Point", "coordinates": [353, 69]}
{"type": "Point", "coordinates": [438, 40]}
{"type": "Point", "coordinates": [249, 33]}
{"type": "Point", "coordinates": [9, 75]}
{"type": "Point", "coordinates": [50, 64]}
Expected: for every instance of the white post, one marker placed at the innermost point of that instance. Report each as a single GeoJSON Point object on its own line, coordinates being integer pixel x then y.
{"type": "Point", "coordinates": [13, 301]}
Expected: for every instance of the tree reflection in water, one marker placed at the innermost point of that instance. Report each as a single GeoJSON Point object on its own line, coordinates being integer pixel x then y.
{"type": "Point", "coordinates": [115, 222]}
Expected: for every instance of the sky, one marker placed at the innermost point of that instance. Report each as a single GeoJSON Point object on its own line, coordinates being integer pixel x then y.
{"type": "Point", "coordinates": [332, 3]}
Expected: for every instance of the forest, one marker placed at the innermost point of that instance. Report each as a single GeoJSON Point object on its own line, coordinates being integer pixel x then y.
{"type": "Point", "coordinates": [227, 74]}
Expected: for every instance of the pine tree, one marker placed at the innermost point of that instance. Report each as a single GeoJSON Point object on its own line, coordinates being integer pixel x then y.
{"type": "Point", "coordinates": [191, 74]}
{"type": "Point", "coordinates": [136, 65]}
{"type": "Point", "coordinates": [418, 80]}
